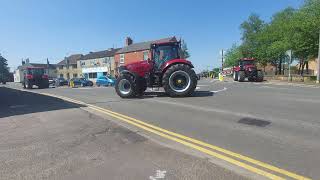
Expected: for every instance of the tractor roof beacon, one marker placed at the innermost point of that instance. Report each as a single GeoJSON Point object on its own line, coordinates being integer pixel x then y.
{"type": "Point", "coordinates": [247, 68]}
{"type": "Point", "coordinates": [164, 69]}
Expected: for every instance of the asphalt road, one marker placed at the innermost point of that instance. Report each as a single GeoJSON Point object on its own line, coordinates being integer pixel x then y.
{"type": "Point", "coordinates": [43, 137]}
{"type": "Point", "coordinates": [275, 124]}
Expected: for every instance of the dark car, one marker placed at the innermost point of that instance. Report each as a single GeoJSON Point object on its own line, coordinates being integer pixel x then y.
{"type": "Point", "coordinates": [80, 82]}
{"type": "Point", "coordinates": [61, 81]}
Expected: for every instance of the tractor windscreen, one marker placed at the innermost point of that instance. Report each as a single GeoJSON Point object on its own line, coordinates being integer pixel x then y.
{"type": "Point", "coordinates": [247, 62]}
{"type": "Point", "coordinates": [36, 71]}
{"type": "Point", "coordinates": [165, 53]}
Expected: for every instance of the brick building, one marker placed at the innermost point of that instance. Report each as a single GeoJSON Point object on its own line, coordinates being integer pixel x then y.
{"type": "Point", "coordinates": [68, 68]}
{"type": "Point", "coordinates": [96, 64]}
{"type": "Point", "coordinates": [133, 52]}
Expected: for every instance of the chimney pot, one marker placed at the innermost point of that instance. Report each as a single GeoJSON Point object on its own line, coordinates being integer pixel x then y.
{"type": "Point", "coordinates": [129, 41]}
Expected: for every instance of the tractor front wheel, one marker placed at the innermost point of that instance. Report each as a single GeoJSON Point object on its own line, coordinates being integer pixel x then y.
{"type": "Point", "coordinates": [235, 76]}
{"type": "Point", "coordinates": [125, 86]}
{"type": "Point", "coordinates": [179, 80]}
{"type": "Point", "coordinates": [242, 76]}
{"type": "Point", "coordinates": [28, 84]}
{"type": "Point", "coordinates": [259, 76]}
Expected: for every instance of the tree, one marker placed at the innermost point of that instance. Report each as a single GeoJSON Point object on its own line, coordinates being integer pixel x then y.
{"type": "Point", "coordinates": [4, 70]}
{"type": "Point", "coordinates": [232, 56]}
{"type": "Point", "coordinates": [250, 32]}
{"type": "Point", "coordinates": [184, 49]}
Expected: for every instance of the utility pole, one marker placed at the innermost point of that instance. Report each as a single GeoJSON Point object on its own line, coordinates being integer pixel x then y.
{"type": "Point", "coordinates": [222, 60]}
{"type": "Point", "coordinates": [318, 71]}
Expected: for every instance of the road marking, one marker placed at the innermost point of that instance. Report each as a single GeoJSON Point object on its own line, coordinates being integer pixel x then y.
{"type": "Point", "coordinates": [193, 143]}
{"type": "Point", "coordinates": [224, 89]}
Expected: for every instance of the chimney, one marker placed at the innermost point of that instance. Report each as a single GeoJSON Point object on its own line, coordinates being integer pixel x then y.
{"type": "Point", "coordinates": [129, 41]}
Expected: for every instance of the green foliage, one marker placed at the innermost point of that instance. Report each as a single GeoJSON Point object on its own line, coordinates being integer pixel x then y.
{"type": "Point", "coordinates": [4, 72]}
{"type": "Point", "coordinates": [232, 56]}
{"type": "Point", "coordinates": [184, 49]}
{"type": "Point", "coordinates": [295, 29]}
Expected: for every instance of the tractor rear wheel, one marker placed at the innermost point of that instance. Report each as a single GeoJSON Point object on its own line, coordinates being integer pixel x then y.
{"type": "Point", "coordinates": [235, 76]}
{"type": "Point", "coordinates": [242, 76]}
{"type": "Point", "coordinates": [125, 86]}
{"type": "Point", "coordinates": [179, 80]}
{"type": "Point", "coordinates": [259, 76]}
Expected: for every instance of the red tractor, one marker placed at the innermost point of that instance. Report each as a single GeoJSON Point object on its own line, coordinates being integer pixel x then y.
{"type": "Point", "coordinates": [247, 69]}
{"type": "Point", "coordinates": [34, 76]}
{"type": "Point", "coordinates": [164, 69]}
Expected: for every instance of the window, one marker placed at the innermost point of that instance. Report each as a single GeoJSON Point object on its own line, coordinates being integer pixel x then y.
{"type": "Point", "coordinates": [61, 75]}
{"type": "Point", "coordinates": [122, 58]}
{"type": "Point", "coordinates": [82, 63]}
{"type": "Point", "coordinates": [105, 73]}
{"type": "Point", "coordinates": [92, 75]}
{"type": "Point", "coordinates": [75, 75]}
{"type": "Point", "coordinates": [74, 66]}
{"type": "Point", "coordinates": [60, 67]}
{"type": "Point", "coordinates": [145, 55]}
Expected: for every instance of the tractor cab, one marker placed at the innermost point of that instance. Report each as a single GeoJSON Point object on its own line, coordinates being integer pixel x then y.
{"type": "Point", "coordinates": [247, 63]}
{"type": "Point", "coordinates": [164, 52]}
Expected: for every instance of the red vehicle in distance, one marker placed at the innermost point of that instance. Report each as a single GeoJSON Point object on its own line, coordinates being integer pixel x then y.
{"type": "Point", "coordinates": [247, 68]}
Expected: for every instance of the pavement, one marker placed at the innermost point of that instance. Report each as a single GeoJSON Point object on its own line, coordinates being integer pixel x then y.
{"type": "Point", "coordinates": [274, 128]}
{"type": "Point", "coordinates": [43, 137]}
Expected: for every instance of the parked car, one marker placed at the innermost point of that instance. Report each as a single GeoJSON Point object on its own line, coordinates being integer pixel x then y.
{"type": "Point", "coordinates": [80, 82]}
{"type": "Point", "coordinates": [105, 81]}
{"type": "Point", "coordinates": [61, 81]}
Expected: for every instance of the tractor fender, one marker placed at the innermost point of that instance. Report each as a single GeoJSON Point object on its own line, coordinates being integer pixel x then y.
{"type": "Point", "coordinates": [135, 75]}
{"type": "Point", "coordinates": [174, 62]}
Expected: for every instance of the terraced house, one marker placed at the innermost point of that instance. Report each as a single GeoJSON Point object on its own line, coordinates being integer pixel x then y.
{"type": "Point", "coordinates": [96, 64]}
{"type": "Point", "coordinates": [68, 68]}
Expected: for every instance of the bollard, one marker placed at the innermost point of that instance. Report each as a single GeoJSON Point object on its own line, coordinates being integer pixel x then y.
{"type": "Point", "coordinates": [220, 77]}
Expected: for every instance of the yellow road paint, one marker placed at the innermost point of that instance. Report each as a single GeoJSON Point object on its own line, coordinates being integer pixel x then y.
{"type": "Point", "coordinates": [160, 131]}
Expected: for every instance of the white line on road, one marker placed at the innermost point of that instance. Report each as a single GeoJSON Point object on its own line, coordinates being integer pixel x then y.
{"type": "Point", "coordinates": [224, 89]}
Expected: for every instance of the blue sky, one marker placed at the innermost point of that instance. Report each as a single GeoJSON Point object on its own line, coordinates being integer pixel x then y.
{"type": "Point", "coordinates": [40, 29]}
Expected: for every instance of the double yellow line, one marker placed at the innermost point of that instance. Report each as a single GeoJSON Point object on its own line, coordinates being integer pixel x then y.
{"type": "Point", "coordinates": [252, 165]}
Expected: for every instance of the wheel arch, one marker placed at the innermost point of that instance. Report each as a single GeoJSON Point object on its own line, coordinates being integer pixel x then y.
{"type": "Point", "coordinates": [170, 65]}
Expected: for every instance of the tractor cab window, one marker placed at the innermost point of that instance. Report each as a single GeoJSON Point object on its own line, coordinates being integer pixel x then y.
{"type": "Point", "coordinates": [35, 71]}
{"type": "Point", "coordinates": [245, 63]}
{"type": "Point", "coordinates": [163, 54]}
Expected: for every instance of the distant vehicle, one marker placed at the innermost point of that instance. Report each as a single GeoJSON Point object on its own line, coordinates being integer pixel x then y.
{"type": "Point", "coordinates": [105, 81]}
{"type": "Point", "coordinates": [34, 76]}
{"type": "Point", "coordinates": [80, 82]}
{"type": "Point", "coordinates": [247, 69]}
{"type": "Point", "coordinates": [61, 81]}
{"type": "Point", "coordinates": [51, 81]}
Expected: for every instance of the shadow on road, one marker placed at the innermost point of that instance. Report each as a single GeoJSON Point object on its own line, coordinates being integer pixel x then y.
{"type": "Point", "coordinates": [163, 94]}
{"type": "Point", "coordinates": [15, 102]}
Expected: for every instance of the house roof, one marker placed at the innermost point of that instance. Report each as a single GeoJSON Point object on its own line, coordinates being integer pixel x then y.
{"type": "Point", "coordinates": [37, 65]}
{"type": "Point", "coordinates": [144, 45]}
{"type": "Point", "coordinates": [100, 54]}
{"type": "Point", "coordinates": [72, 59]}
